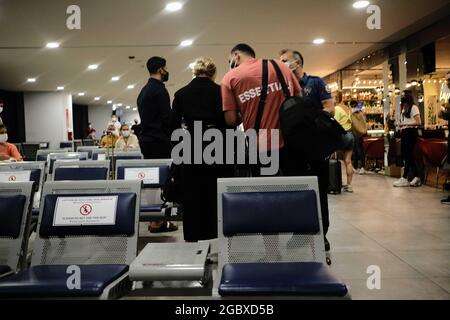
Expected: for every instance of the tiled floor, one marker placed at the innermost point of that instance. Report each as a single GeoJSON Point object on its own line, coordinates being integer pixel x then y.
{"type": "Point", "coordinates": [406, 232]}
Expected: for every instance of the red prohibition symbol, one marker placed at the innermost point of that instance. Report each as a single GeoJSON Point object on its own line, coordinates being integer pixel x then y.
{"type": "Point", "coordinates": [141, 175]}
{"type": "Point", "coordinates": [86, 209]}
{"type": "Point", "coordinates": [12, 178]}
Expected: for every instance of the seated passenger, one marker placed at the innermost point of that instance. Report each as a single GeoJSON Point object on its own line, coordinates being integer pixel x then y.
{"type": "Point", "coordinates": [110, 139]}
{"type": "Point", "coordinates": [127, 140]}
{"type": "Point", "coordinates": [8, 151]}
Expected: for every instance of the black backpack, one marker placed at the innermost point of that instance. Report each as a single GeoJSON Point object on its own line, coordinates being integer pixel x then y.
{"type": "Point", "coordinates": [307, 130]}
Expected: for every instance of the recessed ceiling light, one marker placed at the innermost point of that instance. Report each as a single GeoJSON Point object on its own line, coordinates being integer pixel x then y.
{"type": "Point", "coordinates": [115, 78]}
{"type": "Point", "coordinates": [119, 104]}
{"type": "Point", "coordinates": [81, 94]}
{"type": "Point", "coordinates": [319, 41]}
{"type": "Point", "coordinates": [360, 4]}
{"type": "Point", "coordinates": [31, 80]}
{"type": "Point", "coordinates": [131, 86]}
{"type": "Point", "coordinates": [174, 6]}
{"type": "Point", "coordinates": [109, 102]}
{"type": "Point", "coordinates": [186, 43]}
{"type": "Point", "coordinates": [93, 67]}
{"type": "Point", "coordinates": [52, 45]}
{"type": "Point", "coordinates": [128, 107]}
{"type": "Point", "coordinates": [134, 109]}
{"type": "Point", "coordinates": [97, 98]}
{"type": "Point", "coordinates": [60, 88]}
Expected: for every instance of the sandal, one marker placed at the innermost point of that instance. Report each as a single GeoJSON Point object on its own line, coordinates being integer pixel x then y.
{"type": "Point", "coordinates": [165, 227]}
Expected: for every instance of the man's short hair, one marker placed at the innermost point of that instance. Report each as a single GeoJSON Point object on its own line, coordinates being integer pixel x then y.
{"type": "Point", "coordinates": [297, 55]}
{"type": "Point", "coordinates": [2, 126]}
{"type": "Point", "coordinates": [155, 63]}
{"type": "Point", "coordinates": [244, 48]}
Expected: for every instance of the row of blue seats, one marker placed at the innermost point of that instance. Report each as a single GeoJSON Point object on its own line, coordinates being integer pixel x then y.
{"type": "Point", "coordinates": [99, 170]}
{"type": "Point", "coordinates": [256, 218]}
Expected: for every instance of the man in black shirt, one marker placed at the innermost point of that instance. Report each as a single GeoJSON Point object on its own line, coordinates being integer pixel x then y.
{"type": "Point", "coordinates": [155, 112]}
{"type": "Point", "coordinates": [154, 109]}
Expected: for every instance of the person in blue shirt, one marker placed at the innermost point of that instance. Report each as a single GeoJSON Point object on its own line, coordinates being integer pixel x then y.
{"type": "Point", "coordinates": [317, 90]}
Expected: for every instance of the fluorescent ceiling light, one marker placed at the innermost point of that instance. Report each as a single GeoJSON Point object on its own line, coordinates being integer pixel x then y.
{"type": "Point", "coordinates": [128, 107]}
{"type": "Point", "coordinates": [60, 88]}
{"type": "Point", "coordinates": [119, 104]}
{"type": "Point", "coordinates": [134, 109]}
{"type": "Point", "coordinates": [31, 80]}
{"type": "Point", "coordinates": [360, 4]}
{"type": "Point", "coordinates": [186, 43]}
{"type": "Point", "coordinates": [93, 67]}
{"type": "Point", "coordinates": [97, 98]}
{"type": "Point", "coordinates": [109, 102]}
{"type": "Point", "coordinates": [81, 94]}
{"type": "Point", "coordinates": [115, 78]}
{"type": "Point", "coordinates": [174, 6]}
{"type": "Point", "coordinates": [52, 45]}
{"type": "Point", "coordinates": [319, 41]}
{"type": "Point", "coordinates": [131, 86]}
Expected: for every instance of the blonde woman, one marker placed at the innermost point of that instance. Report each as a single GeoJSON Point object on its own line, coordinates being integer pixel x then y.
{"type": "Point", "coordinates": [200, 101]}
{"type": "Point", "coordinates": [343, 115]}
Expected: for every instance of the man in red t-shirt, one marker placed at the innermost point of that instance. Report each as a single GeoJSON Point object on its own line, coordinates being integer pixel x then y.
{"type": "Point", "coordinates": [241, 89]}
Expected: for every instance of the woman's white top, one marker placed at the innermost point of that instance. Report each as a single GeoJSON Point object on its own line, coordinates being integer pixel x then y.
{"type": "Point", "coordinates": [411, 121]}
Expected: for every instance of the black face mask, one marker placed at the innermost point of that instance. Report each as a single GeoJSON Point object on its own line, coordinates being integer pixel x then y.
{"type": "Point", "coordinates": [165, 76]}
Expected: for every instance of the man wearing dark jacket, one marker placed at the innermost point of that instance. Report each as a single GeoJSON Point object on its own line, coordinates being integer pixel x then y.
{"type": "Point", "coordinates": [154, 109]}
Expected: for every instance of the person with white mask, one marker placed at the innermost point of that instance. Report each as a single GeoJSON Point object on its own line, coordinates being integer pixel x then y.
{"type": "Point", "coordinates": [127, 140]}
{"type": "Point", "coordinates": [8, 151]}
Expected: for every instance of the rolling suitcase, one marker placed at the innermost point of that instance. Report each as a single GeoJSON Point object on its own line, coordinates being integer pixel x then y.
{"type": "Point", "coordinates": [335, 186]}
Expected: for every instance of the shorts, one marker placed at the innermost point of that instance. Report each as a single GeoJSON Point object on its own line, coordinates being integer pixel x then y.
{"type": "Point", "coordinates": [349, 141]}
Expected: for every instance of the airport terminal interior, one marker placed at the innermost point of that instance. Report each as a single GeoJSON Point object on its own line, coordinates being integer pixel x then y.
{"type": "Point", "coordinates": [132, 167]}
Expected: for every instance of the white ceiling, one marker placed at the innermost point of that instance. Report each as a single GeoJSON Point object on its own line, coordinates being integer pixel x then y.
{"type": "Point", "coordinates": [113, 30]}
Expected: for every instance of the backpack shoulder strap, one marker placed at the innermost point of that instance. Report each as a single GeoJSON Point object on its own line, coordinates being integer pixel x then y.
{"type": "Point", "coordinates": [280, 76]}
{"type": "Point", "coordinates": [263, 97]}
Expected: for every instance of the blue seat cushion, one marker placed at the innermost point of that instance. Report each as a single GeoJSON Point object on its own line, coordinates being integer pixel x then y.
{"type": "Point", "coordinates": [4, 269]}
{"type": "Point", "coordinates": [11, 213]}
{"type": "Point", "coordinates": [275, 279]}
{"type": "Point", "coordinates": [151, 208]}
{"type": "Point", "coordinates": [270, 213]}
{"type": "Point", "coordinates": [80, 174]}
{"type": "Point", "coordinates": [51, 281]}
{"type": "Point", "coordinates": [124, 224]}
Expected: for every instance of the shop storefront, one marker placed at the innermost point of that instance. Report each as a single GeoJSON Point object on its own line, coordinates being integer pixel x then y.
{"type": "Point", "coordinates": [377, 82]}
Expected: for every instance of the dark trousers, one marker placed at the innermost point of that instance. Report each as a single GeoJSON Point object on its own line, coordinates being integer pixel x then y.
{"type": "Point", "coordinates": [409, 138]}
{"type": "Point", "coordinates": [359, 158]}
{"type": "Point", "coordinates": [296, 165]}
{"type": "Point", "coordinates": [155, 149]}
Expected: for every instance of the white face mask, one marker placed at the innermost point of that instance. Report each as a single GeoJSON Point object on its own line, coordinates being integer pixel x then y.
{"type": "Point", "coordinates": [1, 109]}
{"type": "Point", "coordinates": [126, 134]}
{"type": "Point", "coordinates": [291, 65]}
{"type": "Point", "coordinates": [3, 138]}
